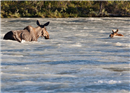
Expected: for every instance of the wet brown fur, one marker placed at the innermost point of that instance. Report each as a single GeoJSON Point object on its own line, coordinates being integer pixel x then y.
{"type": "Point", "coordinates": [29, 33]}
{"type": "Point", "coordinates": [115, 34]}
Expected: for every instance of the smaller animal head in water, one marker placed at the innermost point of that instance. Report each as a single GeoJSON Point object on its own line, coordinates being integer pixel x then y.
{"type": "Point", "coordinates": [115, 34]}
{"type": "Point", "coordinates": [43, 32]}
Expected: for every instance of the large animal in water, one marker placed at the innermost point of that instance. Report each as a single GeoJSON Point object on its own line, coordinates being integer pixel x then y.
{"type": "Point", "coordinates": [29, 33]}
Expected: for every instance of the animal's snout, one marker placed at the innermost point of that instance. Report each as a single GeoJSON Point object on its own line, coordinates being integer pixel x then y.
{"type": "Point", "coordinates": [111, 35]}
{"type": "Point", "coordinates": [46, 34]}
{"type": "Point", "coordinates": [47, 37]}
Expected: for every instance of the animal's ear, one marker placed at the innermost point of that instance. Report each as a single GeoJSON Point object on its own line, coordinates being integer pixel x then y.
{"type": "Point", "coordinates": [46, 24]}
{"type": "Point", "coordinates": [116, 30]}
{"type": "Point", "coordinates": [38, 23]}
{"type": "Point", "coordinates": [113, 31]}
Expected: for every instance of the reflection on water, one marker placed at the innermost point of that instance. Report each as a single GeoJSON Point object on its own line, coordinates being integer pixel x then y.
{"type": "Point", "coordinates": [78, 57]}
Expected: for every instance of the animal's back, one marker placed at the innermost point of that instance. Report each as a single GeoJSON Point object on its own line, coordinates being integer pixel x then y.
{"type": "Point", "coordinates": [9, 35]}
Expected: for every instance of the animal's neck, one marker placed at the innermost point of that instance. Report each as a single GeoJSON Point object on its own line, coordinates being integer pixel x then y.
{"type": "Point", "coordinates": [38, 30]}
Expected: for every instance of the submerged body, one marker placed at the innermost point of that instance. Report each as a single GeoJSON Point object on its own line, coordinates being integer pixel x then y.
{"type": "Point", "coordinates": [115, 34]}
{"type": "Point", "coordinates": [29, 33]}
{"type": "Point", "coordinates": [18, 35]}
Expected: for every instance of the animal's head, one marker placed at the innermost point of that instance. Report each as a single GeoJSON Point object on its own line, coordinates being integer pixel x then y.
{"type": "Point", "coordinates": [113, 33]}
{"type": "Point", "coordinates": [43, 32]}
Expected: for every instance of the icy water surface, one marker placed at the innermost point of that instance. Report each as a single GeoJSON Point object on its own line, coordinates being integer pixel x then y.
{"type": "Point", "coordinates": [78, 57]}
